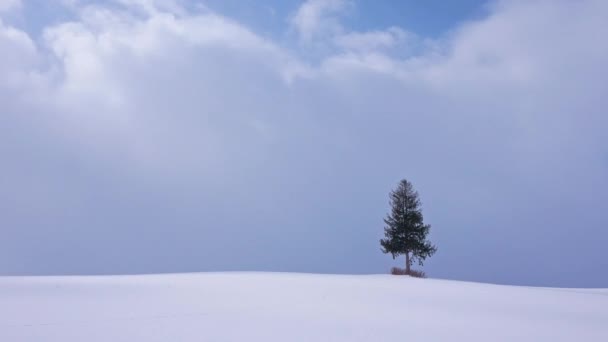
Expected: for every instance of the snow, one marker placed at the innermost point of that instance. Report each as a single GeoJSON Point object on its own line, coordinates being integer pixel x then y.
{"type": "Point", "coordinates": [292, 307]}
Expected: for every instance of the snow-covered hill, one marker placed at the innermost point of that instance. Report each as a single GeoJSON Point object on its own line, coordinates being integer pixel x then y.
{"type": "Point", "coordinates": [292, 307]}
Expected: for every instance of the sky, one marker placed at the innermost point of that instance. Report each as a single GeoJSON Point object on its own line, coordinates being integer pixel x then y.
{"type": "Point", "coordinates": [152, 136]}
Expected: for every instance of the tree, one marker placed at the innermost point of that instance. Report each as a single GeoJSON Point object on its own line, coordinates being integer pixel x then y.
{"type": "Point", "coordinates": [405, 231]}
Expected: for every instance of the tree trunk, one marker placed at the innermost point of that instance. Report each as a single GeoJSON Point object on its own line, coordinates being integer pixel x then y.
{"type": "Point", "coordinates": [407, 263]}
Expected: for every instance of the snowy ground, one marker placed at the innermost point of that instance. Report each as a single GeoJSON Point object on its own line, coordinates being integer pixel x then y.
{"type": "Point", "coordinates": [292, 307]}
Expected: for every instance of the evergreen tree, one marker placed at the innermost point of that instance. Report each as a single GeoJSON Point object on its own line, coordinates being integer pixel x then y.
{"type": "Point", "coordinates": [405, 231]}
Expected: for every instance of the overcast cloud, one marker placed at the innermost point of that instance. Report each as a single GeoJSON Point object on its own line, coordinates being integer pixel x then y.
{"type": "Point", "coordinates": [155, 136]}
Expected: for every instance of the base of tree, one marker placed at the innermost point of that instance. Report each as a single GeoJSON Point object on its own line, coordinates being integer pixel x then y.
{"type": "Point", "coordinates": [411, 273]}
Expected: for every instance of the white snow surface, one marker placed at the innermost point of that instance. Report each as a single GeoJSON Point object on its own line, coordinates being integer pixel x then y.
{"type": "Point", "coordinates": [292, 307]}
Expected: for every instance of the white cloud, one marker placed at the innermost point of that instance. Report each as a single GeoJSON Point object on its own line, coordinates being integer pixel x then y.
{"type": "Point", "coordinates": [373, 40]}
{"type": "Point", "coordinates": [18, 56]}
{"type": "Point", "coordinates": [171, 106]}
{"type": "Point", "coordinates": [6, 5]}
{"type": "Point", "coordinates": [318, 17]}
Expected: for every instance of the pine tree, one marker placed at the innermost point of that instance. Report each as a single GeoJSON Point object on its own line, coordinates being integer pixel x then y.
{"type": "Point", "coordinates": [405, 231]}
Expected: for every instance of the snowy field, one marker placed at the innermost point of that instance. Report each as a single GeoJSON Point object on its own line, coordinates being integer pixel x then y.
{"type": "Point", "coordinates": [292, 307]}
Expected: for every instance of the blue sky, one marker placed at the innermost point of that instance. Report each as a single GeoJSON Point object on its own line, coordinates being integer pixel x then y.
{"type": "Point", "coordinates": [431, 18]}
{"type": "Point", "coordinates": [142, 136]}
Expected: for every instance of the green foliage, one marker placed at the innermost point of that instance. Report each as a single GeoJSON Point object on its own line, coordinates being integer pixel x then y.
{"type": "Point", "coordinates": [405, 233]}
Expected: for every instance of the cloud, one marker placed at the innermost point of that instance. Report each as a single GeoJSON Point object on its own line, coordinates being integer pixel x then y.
{"type": "Point", "coordinates": [6, 5]}
{"type": "Point", "coordinates": [317, 17]}
{"type": "Point", "coordinates": [372, 40]}
{"type": "Point", "coordinates": [144, 136]}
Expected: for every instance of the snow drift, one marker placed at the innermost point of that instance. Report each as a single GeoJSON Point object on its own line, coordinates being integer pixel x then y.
{"type": "Point", "coordinates": [292, 307]}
